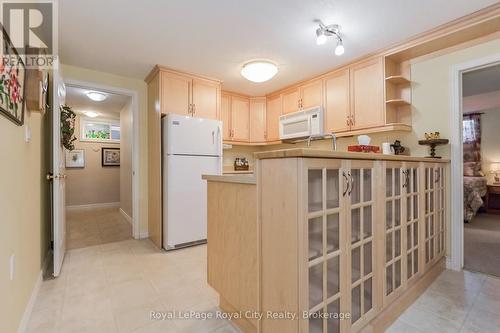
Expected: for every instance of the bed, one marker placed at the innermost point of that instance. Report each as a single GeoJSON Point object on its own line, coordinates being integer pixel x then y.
{"type": "Point", "coordinates": [474, 190]}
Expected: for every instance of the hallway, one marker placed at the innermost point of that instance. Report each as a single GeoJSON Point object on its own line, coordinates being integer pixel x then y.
{"type": "Point", "coordinates": [89, 227]}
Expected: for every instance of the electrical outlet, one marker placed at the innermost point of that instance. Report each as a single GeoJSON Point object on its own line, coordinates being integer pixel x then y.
{"type": "Point", "coordinates": [12, 260]}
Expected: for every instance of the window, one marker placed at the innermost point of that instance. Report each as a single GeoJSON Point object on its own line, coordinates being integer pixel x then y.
{"type": "Point", "coordinates": [100, 131]}
{"type": "Point", "coordinates": [469, 130]}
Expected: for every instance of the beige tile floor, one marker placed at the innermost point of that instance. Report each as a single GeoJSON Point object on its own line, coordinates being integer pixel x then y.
{"type": "Point", "coordinates": [88, 227]}
{"type": "Point", "coordinates": [455, 302]}
{"type": "Point", "coordinates": [114, 287]}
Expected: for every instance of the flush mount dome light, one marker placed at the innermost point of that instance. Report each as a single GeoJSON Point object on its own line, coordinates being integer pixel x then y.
{"type": "Point", "coordinates": [259, 71]}
{"type": "Point", "coordinates": [91, 114]}
{"type": "Point", "coordinates": [96, 96]}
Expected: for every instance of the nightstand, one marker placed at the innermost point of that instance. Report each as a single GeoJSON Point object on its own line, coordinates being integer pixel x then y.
{"type": "Point", "coordinates": [493, 199]}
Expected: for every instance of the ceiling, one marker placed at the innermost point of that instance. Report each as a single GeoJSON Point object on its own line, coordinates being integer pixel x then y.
{"type": "Point", "coordinates": [216, 37]}
{"type": "Point", "coordinates": [76, 97]}
{"type": "Point", "coordinates": [481, 81]}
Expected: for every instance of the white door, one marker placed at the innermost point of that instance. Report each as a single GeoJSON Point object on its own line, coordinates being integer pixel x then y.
{"type": "Point", "coordinates": [192, 136]}
{"type": "Point", "coordinates": [185, 198]}
{"type": "Point", "coordinates": [58, 176]}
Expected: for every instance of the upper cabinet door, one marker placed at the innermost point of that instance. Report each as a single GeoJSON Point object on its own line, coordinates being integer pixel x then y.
{"type": "Point", "coordinates": [311, 94]}
{"type": "Point", "coordinates": [206, 96]}
{"type": "Point", "coordinates": [175, 93]}
{"type": "Point", "coordinates": [226, 116]}
{"type": "Point", "coordinates": [367, 95]}
{"type": "Point", "coordinates": [337, 102]}
{"type": "Point", "coordinates": [290, 101]}
{"type": "Point", "coordinates": [273, 113]}
{"type": "Point", "coordinates": [240, 118]}
{"type": "Point", "coordinates": [257, 119]}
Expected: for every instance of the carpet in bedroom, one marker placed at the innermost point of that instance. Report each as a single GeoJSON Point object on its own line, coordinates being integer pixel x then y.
{"type": "Point", "coordinates": [482, 244]}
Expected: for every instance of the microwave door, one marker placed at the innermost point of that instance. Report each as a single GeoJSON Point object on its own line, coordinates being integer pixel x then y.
{"type": "Point", "coordinates": [294, 128]}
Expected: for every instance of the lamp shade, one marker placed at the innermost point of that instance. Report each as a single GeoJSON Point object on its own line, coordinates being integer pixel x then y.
{"type": "Point", "coordinates": [495, 167]}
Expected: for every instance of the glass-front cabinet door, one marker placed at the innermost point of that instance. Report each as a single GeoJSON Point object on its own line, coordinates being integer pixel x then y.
{"type": "Point", "coordinates": [360, 211]}
{"type": "Point", "coordinates": [430, 216]}
{"type": "Point", "coordinates": [395, 198]}
{"type": "Point", "coordinates": [412, 197]}
{"type": "Point", "coordinates": [440, 210]}
{"type": "Point", "coordinates": [324, 236]}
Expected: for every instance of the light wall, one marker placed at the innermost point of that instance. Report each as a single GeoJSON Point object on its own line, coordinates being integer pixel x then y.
{"type": "Point", "coordinates": [24, 219]}
{"type": "Point", "coordinates": [126, 159]}
{"type": "Point", "coordinates": [490, 140]}
{"type": "Point", "coordinates": [93, 184]}
{"type": "Point", "coordinates": [140, 87]}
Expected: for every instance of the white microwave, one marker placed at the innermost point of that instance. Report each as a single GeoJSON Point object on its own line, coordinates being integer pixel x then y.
{"type": "Point", "coordinates": [302, 124]}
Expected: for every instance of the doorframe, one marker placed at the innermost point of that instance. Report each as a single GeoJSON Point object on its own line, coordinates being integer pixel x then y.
{"type": "Point", "coordinates": [136, 232]}
{"type": "Point", "coordinates": [456, 261]}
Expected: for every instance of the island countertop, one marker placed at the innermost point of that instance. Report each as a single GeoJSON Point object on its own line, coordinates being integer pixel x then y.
{"type": "Point", "coordinates": [232, 178]}
{"type": "Point", "coordinates": [318, 153]}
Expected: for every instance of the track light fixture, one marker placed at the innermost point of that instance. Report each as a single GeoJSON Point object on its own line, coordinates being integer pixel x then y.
{"type": "Point", "coordinates": [325, 31]}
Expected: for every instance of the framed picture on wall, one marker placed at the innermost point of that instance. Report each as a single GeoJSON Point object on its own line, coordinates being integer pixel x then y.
{"type": "Point", "coordinates": [110, 157]}
{"type": "Point", "coordinates": [12, 82]}
{"type": "Point", "coordinates": [75, 158]}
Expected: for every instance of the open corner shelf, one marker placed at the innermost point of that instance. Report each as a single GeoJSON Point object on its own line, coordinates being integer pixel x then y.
{"type": "Point", "coordinates": [397, 102]}
{"type": "Point", "coordinates": [397, 79]}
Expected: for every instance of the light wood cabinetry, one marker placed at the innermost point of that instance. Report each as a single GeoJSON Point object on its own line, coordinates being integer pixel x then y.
{"type": "Point", "coordinates": [205, 99]}
{"type": "Point", "coordinates": [290, 100]}
{"type": "Point", "coordinates": [337, 102]}
{"type": "Point", "coordinates": [367, 109]}
{"type": "Point", "coordinates": [302, 97]}
{"type": "Point", "coordinates": [346, 236]}
{"type": "Point", "coordinates": [226, 116]}
{"type": "Point", "coordinates": [175, 90]}
{"type": "Point", "coordinates": [258, 119]}
{"type": "Point", "coordinates": [240, 118]}
{"type": "Point", "coordinates": [273, 113]}
{"type": "Point", "coordinates": [232, 250]}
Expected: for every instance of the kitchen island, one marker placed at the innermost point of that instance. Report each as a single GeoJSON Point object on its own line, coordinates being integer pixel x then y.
{"type": "Point", "coordinates": [328, 241]}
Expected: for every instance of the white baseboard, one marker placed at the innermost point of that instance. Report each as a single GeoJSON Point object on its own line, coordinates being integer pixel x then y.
{"type": "Point", "coordinates": [92, 206]}
{"type": "Point", "coordinates": [126, 216]}
{"type": "Point", "coordinates": [143, 234]}
{"type": "Point", "coordinates": [23, 325]}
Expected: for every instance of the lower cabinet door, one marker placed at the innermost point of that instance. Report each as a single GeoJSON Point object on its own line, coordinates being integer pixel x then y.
{"type": "Point", "coordinates": [325, 256]}
{"type": "Point", "coordinates": [360, 241]}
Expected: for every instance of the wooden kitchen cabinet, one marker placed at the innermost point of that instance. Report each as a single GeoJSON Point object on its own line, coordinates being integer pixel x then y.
{"type": "Point", "coordinates": [367, 95]}
{"type": "Point", "coordinates": [257, 119]}
{"type": "Point", "coordinates": [225, 110]}
{"type": "Point", "coordinates": [290, 101]}
{"type": "Point", "coordinates": [175, 90]}
{"type": "Point", "coordinates": [240, 118]}
{"type": "Point", "coordinates": [205, 99]}
{"type": "Point", "coordinates": [188, 95]}
{"type": "Point", "coordinates": [311, 94]}
{"type": "Point", "coordinates": [302, 97]}
{"type": "Point", "coordinates": [337, 102]}
{"type": "Point", "coordinates": [346, 235]}
{"type": "Point", "coordinates": [273, 113]}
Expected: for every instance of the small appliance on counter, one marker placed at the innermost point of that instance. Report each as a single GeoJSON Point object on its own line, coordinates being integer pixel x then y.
{"type": "Point", "coordinates": [364, 146]}
{"type": "Point", "coordinates": [241, 164]}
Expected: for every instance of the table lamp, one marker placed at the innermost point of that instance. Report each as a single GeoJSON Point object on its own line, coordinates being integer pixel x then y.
{"type": "Point", "coordinates": [495, 170]}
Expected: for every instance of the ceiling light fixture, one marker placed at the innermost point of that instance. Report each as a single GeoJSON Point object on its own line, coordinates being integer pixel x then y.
{"type": "Point", "coordinates": [259, 71]}
{"type": "Point", "coordinates": [91, 114]}
{"type": "Point", "coordinates": [96, 96]}
{"type": "Point", "coordinates": [325, 31]}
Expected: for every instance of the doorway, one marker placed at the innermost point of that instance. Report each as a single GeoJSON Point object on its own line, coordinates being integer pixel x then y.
{"type": "Point", "coordinates": [468, 196]}
{"type": "Point", "coordinates": [99, 168]}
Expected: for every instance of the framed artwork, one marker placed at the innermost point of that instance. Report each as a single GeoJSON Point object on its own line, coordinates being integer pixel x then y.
{"type": "Point", "coordinates": [75, 158]}
{"type": "Point", "coordinates": [12, 82]}
{"type": "Point", "coordinates": [110, 157]}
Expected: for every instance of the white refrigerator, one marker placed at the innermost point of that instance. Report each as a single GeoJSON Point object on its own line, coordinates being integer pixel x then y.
{"type": "Point", "coordinates": [191, 147]}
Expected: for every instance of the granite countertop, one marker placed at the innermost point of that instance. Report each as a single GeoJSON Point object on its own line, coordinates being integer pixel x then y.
{"type": "Point", "coordinates": [318, 153]}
